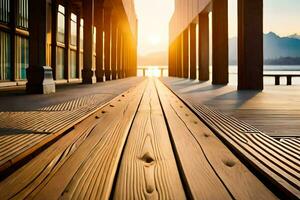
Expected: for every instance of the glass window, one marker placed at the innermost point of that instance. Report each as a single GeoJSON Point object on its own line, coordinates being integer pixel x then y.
{"type": "Point", "coordinates": [61, 24]}
{"type": "Point", "coordinates": [4, 10]}
{"type": "Point", "coordinates": [22, 57]}
{"type": "Point", "coordinates": [73, 64]}
{"type": "Point", "coordinates": [22, 18]}
{"type": "Point", "coordinates": [60, 59]}
{"type": "Point", "coordinates": [5, 63]}
{"type": "Point", "coordinates": [81, 33]}
{"type": "Point", "coordinates": [73, 29]}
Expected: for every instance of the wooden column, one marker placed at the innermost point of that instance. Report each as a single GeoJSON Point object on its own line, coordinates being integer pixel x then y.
{"type": "Point", "coordinates": [185, 53]}
{"type": "Point", "coordinates": [220, 41]}
{"type": "Point", "coordinates": [203, 52]}
{"type": "Point", "coordinates": [114, 49]}
{"type": "Point", "coordinates": [39, 76]}
{"type": "Point", "coordinates": [250, 44]}
{"type": "Point", "coordinates": [107, 43]}
{"type": "Point", "coordinates": [119, 52]}
{"type": "Point", "coordinates": [179, 57]}
{"type": "Point", "coordinates": [88, 74]}
{"type": "Point", "coordinates": [99, 18]}
{"type": "Point", "coordinates": [192, 50]}
{"type": "Point", "coordinates": [170, 59]}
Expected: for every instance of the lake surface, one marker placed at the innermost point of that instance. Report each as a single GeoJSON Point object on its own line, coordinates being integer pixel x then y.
{"type": "Point", "coordinates": [274, 69]}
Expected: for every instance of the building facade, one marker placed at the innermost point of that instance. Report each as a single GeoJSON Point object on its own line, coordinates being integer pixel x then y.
{"type": "Point", "coordinates": [79, 40]}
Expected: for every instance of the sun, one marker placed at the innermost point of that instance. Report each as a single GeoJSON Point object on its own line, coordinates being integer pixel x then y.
{"type": "Point", "coordinates": [154, 40]}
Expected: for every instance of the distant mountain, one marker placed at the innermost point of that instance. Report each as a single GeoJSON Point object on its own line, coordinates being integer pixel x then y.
{"type": "Point", "coordinates": [295, 36]}
{"type": "Point", "coordinates": [275, 47]}
{"type": "Point", "coordinates": [277, 51]}
{"type": "Point", "coordinates": [154, 59]}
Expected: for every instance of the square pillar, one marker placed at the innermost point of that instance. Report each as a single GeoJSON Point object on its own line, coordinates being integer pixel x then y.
{"type": "Point", "coordinates": [220, 41]}
{"type": "Point", "coordinates": [192, 50]}
{"type": "Point", "coordinates": [88, 73]}
{"type": "Point", "coordinates": [107, 43]}
{"type": "Point", "coordinates": [203, 52]}
{"type": "Point", "coordinates": [179, 57]}
{"type": "Point", "coordinates": [250, 44]}
{"type": "Point", "coordinates": [99, 19]}
{"type": "Point", "coordinates": [185, 53]}
{"type": "Point", "coordinates": [114, 49]}
{"type": "Point", "coordinates": [119, 53]}
{"type": "Point", "coordinates": [39, 76]}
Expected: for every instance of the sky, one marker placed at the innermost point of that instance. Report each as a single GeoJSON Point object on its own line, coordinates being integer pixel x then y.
{"type": "Point", "coordinates": [280, 16]}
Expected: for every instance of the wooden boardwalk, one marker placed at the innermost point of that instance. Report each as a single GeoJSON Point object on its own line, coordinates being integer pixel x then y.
{"type": "Point", "coordinates": [29, 122]}
{"type": "Point", "coordinates": [275, 111]}
{"type": "Point", "coordinates": [146, 143]}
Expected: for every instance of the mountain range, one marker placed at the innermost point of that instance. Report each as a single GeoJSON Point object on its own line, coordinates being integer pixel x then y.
{"type": "Point", "coordinates": [277, 51]}
{"type": "Point", "coordinates": [275, 47]}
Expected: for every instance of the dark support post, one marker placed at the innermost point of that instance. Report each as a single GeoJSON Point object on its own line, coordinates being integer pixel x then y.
{"type": "Point", "coordinates": [88, 74]}
{"type": "Point", "coordinates": [119, 51]}
{"type": "Point", "coordinates": [277, 80]}
{"type": "Point", "coordinates": [220, 41]}
{"type": "Point", "coordinates": [289, 80]}
{"type": "Point", "coordinates": [99, 17]}
{"type": "Point", "coordinates": [179, 57]}
{"type": "Point", "coordinates": [250, 44]}
{"type": "Point", "coordinates": [185, 53]}
{"type": "Point", "coordinates": [39, 76]}
{"type": "Point", "coordinates": [114, 49]}
{"type": "Point", "coordinates": [107, 43]}
{"type": "Point", "coordinates": [192, 50]}
{"type": "Point", "coordinates": [203, 53]}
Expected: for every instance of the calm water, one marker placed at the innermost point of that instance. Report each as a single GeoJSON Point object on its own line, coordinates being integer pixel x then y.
{"type": "Point", "coordinates": [280, 69]}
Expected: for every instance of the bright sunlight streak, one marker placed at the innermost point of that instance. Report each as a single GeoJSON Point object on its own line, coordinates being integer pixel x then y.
{"type": "Point", "coordinates": [154, 40]}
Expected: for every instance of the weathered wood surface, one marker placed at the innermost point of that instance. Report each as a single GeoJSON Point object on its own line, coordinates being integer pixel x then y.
{"type": "Point", "coordinates": [210, 169]}
{"type": "Point", "coordinates": [275, 111]}
{"type": "Point", "coordinates": [149, 144]}
{"type": "Point", "coordinates": [87, 156]}
{"type": "Point", "coordinates": [266, 154]}
{"type": "Point", "coordinates": [148, 169]}
{"type": "Point", "coordinates": [24, 132]}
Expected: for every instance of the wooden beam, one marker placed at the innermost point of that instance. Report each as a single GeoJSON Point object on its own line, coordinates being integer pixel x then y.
{"type": "Point", "coordinates": [192, 50]}
{"type": "Point", "coordinates": [185, 53]}
{"type": "Point", "coordinates": [220, 41]}
{"type": "Point", "coordinates": [250, 44]}
{"type": "Point", "coordinates": [99, 20]}
{"type": "Point", "coordinates": [114, 47]}
{"type": "Point", "coordinates": [88, 73]}
{"type": "Point", "coordinates": [203, 52]}
{"type": "Point", "coordinates": [107, 43]}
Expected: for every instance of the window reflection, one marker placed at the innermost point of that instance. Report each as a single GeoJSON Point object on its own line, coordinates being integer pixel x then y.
{"type": "Point", "coordinates": [61, 24]}
{"type": "Point", "coordinates": [5, 64]}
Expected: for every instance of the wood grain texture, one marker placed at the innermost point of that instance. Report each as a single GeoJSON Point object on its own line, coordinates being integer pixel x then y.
{"type": "Point", "coordinates": [48, 174]}
{"type": "Point", "coordinates": [275, 164]}
{"type": "Point", "coordinates": [218, 174]}
{"type": "Point", "coordinates": [148, 169]}
{"type": "Point", "coordinates": [24, 131]}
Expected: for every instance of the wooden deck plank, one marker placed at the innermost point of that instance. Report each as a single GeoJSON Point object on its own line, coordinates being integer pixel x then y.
{"type": "Point", "coordinates": [281, 173]}
{"type": "Point", "coordinates": [90, 170]}
{"type": "Point", "coordinates": [219, 171]}
{"type": "Point", "coordinates": [53, 169]}
{"type": "Point", "coordinates": [275, 110]}
{"type": "Point", "coordinates": [26, 131]}
{"type": "Point", "coordinates": [148, 168]}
